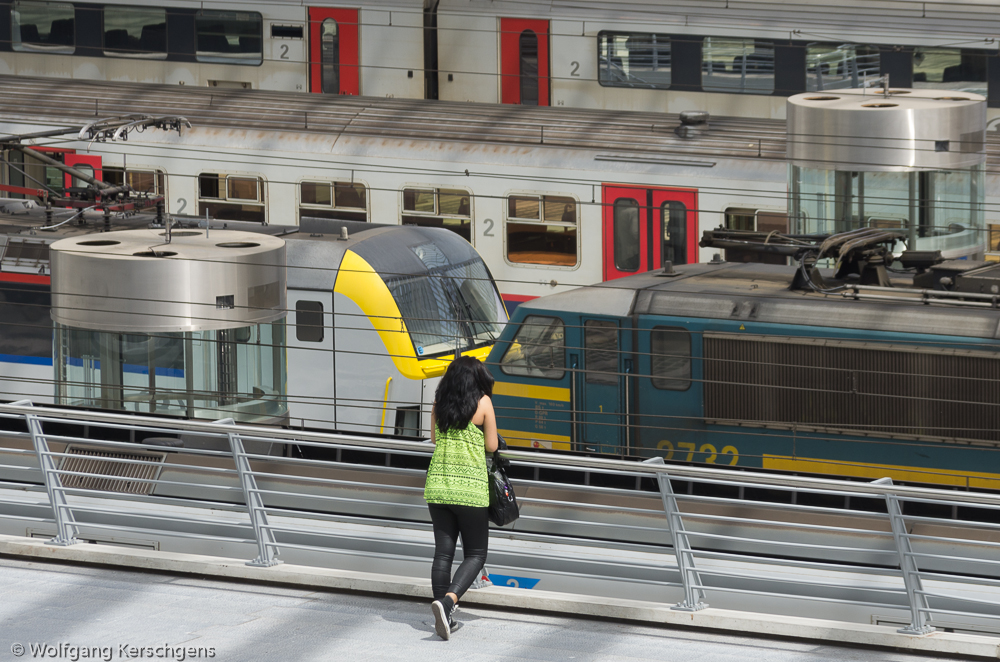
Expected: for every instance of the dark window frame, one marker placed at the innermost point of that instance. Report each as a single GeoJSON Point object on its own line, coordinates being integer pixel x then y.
{"type": "Point", "coordinates": [519, 371]}
{"type": "Point", "coordinates": [627, 33]}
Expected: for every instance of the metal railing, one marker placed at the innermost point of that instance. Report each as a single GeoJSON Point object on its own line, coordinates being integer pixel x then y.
{"type": "Point", "coordinates": [789, 537]}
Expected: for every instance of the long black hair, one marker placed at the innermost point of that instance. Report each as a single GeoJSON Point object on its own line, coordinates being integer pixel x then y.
{"type": "Point", "coordinates": [457, 397]}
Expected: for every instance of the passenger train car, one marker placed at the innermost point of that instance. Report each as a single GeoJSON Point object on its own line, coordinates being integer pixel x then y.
{"type": "Point", "coordinates": [733, 364]}
{"type": "Point", "coordinates": [544, 195]}
{"type": "Point", "coordinates": [375, 313]}
{"type": "Point", "coordinates": [738, 59]}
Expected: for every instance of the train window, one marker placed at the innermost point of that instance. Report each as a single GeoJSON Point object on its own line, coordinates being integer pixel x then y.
{"type": "Point", "coordinates": [286, 31]}
{"type": "Point", "coordinates": [309, 321]}
{"type": "Point", "coordinates": [342, 201]}
{"type": "Point", "coordinates": [25, 325]}
{"type": "Point", "coordinates": [633, 59]}
{"type": "Point", "coordinates": [673, 220]}
{"type": "Point", "coordinates": [542, 230]}
{"type": "Point", "coordinates": [135, 32]}
{"type": "Point", "coordinates": [144, 181]}
{"type": "Point", "coordinates": [231, 198]}
{"type": "Point", "coordinates": [960, 69]}
{"type": "Point", "coordinates": [738, 218]}
{"type": "Point", "coordinates": [600, 351]}
{"type": "Point", "coordinates": [440, 208]}
{"type": "Point", "coordinates": [330, 54]}
{"type": "Point", "coordinates": [741, 66]}
{"type": "Point", "coordinates": [670, 358]}
{"type": "Point", "coordinates": [626, 234]}
{"type": "Point", "coordinates": [229, 37]}
{"type": "Point", "coordinates": [527, 48]}
{"type": "Point", "coordinates": [46, 27]}
{"type": "Point", "coordinates": [993, 238]}
{"type": "Point", "coordinates": [752, 220]}
{"type": "Point", "coordinates": [538, 349]}
{"type": "Point", "coordinates": [839, 66]}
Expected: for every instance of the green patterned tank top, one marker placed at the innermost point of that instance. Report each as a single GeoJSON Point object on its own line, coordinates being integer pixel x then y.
{"type": "Point", "coordinates": [457, 475]}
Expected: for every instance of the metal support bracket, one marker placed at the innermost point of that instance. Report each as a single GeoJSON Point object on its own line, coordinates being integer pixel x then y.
{"type": "Point", "coordinates": [267, 546]}
{"type": "Point", "coordinates": [919, 608]}
{"type": "Point", "coordinates": [690, 578]}
{"type": "Point", "coordinates": [66, 528]}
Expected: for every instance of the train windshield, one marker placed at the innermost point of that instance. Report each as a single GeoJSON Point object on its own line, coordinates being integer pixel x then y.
{"type": "Point", "coordinates": [442, 287]}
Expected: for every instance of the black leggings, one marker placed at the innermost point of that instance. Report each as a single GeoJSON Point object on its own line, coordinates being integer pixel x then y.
{"type": "Point", "coordinates": [450, 521]}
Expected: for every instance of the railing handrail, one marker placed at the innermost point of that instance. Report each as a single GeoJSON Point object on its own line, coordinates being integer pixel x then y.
{"type": "Point", "coordinates": [539, 458]}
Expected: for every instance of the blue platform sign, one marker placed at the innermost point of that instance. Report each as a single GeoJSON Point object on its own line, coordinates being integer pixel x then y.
{"type": "Point", "coordinates": [516, 582]}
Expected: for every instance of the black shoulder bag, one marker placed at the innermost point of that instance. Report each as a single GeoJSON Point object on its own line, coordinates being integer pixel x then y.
{"type": "Point", "coordinates": [503, 503]}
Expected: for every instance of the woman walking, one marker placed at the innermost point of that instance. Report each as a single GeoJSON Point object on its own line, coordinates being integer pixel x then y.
{"type": "Point", "coordinates": [464, 429]}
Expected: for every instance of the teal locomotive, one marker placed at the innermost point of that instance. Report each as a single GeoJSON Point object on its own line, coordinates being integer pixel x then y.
{"type": "Point", "coordinates": [869, 372]}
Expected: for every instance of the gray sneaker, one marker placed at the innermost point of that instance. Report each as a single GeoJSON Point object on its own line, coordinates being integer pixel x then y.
{"type": "Point", "coordinates": [442, 620]}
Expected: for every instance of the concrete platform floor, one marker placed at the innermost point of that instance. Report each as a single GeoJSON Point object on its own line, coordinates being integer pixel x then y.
{"type": "Point", "coordinates": [117, 614]}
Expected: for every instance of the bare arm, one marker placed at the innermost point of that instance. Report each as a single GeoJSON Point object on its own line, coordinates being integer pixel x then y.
{"type": "Point", "coordinates": [489, 424]}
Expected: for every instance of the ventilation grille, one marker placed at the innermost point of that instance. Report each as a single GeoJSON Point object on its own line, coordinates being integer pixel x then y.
{"type": "Point", "coordinates": [868, 387]}
{"type": "Point", "coordinates": [110, 471]}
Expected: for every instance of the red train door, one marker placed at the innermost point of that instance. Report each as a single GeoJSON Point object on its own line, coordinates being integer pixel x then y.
{"type": "Point", "coordinates": [645, 227]}
{"type": "Point", "coordinates": [524, 61]}
{"type": "Point", "coordinates": [333, 51]}
{"type": "Point", "coordinates": [87, 163]}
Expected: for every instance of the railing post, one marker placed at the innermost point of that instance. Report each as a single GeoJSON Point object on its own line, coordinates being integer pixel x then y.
{"type": "Point", "coordinates": [690, 578]}
{"type": "Point", "coordinates": [919, 608]}
{"type": "Point", "coordinates": [267, 547]}
{"type": "Point", "coordinates": [66, 528]}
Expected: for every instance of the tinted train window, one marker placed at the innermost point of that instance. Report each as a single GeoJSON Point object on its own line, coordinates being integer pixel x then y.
{"type": "Point", "coordinates": [600, 351]}
{"type": "Point", "coordinates": [632, 59]}
{"type": "Point", "coordinates": [309, 321]}
{"type": "Point", "coordinates": [25, 325]}
{"type": "Point", "coordinates": [538, 349]}
{"type": "Point", "coordinates": [135, 32]}
{"type": "Point", "coordinates": [542, 230]}
{"type": "Point", "coordinates": [740, 66]}
{"type": "Point", "coordinates": [342, 201]}
{"type": "Point", "coordinates": [229, 37]}
{"type": "Point", "coordinates": [46, 27]}
{"type": "Point", "coordinates": [626, 234]}
{"type": "Point", "coordinates": [439, 208]}
{"type": "Point", "coordinates": [839, 66]}
{"type": "Point", "coordinates": [670, 358]}
{"type": "Point", "coordinates": [950, 68]}
{"type": "Point", "coordinates": [231, 197]}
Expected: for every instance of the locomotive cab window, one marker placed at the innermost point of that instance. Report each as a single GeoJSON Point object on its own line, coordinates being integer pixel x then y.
{"type": "Point", "coordinates": [309, 321]}
{"type": "Point", "coordinates": [737, 66]}
{"type": "Point", "coordinates": [46, 27]}
{"type": "Point", "coordinates": [633, 59]}
{"type": "Point", "coordinates": [231, 197]}
{"type": "Point", "coordinates": [538, 349]}
{"type": "Point", "coordinates": [439, 208]}
{"type": "Point", "coordinates": [342, 201]}
{"type": "Point", "coordinates": [542, 230]}
{"type": "Point", "coordinates": [135, 32]}
{"type": "Point", "coordinates": [229, 37]}
{"type": "Point", "coordinates": [670, 358]}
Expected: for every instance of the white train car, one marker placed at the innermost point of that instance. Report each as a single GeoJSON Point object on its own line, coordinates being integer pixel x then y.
{"type": "Point", "coordinates": [734, 59]}
{"type": "Point", "coordinates": [551, 198]}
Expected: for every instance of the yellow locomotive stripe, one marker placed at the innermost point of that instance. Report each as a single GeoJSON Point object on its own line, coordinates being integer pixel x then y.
{"type": "Point", "coordinates": [531, 391]}
{"type": "Point", "coordinates": [950, 477]}
{"type": "Point", "coordinates": [359, 282]}
{"type": "Point", "coordinates": [521, 438]}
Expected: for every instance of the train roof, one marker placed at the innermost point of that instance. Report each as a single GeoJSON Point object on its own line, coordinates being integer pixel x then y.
{"type": "Point", "coordinates": [761, 293]}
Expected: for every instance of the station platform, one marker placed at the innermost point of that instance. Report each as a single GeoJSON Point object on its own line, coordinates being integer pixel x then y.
{"type": "Point", "coordinates": [100, 596]}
